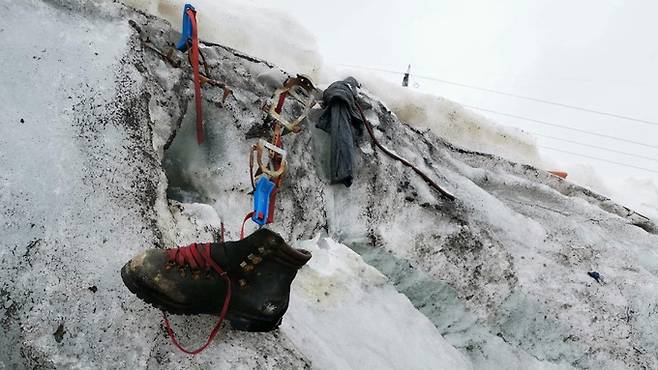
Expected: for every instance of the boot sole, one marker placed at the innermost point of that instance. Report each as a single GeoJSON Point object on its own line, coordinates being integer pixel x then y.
{"type": "Point", "coordinates": [238, 321]}
{"type": "Point", "coordinates": [154, 298]}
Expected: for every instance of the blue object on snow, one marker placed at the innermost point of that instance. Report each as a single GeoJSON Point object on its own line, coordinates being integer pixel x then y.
{"type": "Point", "coordinates": [187, 29]}
{"type": "Point", "coordinates": [595, 275]}
{"type": "Point", "coordinates": [262, 194]}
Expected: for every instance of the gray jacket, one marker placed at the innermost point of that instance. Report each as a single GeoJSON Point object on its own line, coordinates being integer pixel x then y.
{"type": "Point", "coordinates": [342, 121]}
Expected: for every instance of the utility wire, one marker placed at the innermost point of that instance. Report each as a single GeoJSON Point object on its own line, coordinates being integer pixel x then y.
{"type": "Point", "coordinates": [598, 159]}
{"type": "Point", "coordinates": [549, 123]}
{"type": "Point", "coordinates": [520, 117]}
{"type": "Point", "coordinates": [594, 146]}
{"type": "Point", "coordinates": [560, 126]}
{"type": "Point", "coordinates": [563, 105]}
{"type": "Point", "coordinates": [369, 68]}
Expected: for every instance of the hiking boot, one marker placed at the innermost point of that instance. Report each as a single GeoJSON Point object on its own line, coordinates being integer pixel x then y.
{"type": "Point", "coordinates": [194, 279]}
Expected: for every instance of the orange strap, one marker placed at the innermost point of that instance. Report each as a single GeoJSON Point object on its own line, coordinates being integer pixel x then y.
{"type": "Point", "coordinates": [197, 79]}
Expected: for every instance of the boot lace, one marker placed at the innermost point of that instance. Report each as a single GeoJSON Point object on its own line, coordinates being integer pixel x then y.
{"type": "Point", "coordinates": [197, 256]}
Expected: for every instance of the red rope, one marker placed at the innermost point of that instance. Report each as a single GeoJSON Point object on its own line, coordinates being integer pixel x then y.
{"type": "Point", "coordinates": [248, 216]}
{"type": "Point", "coordinates": [197, 79]}
{"type": "Point", "coordinates": [405, 162]}
{"type": "Point", "coordinates": [276, 163]}
{"type": "Point", "coordinates": [282, 99]}
{"type": "Point", "coordinates": [192, 256]}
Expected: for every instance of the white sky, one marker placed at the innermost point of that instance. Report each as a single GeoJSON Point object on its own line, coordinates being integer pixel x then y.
{"type": "Point", "coordinates": [597, 54]}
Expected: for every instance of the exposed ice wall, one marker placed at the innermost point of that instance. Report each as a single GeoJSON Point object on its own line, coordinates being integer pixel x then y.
{"type": "Point", "coordinates": [346, 315]}
{"type": "Point", "coordinates": [280, 39]}
{"type": "Point", "coordinates": [514, 247]}
{"type": "Point", "coordinates": [277, 37]}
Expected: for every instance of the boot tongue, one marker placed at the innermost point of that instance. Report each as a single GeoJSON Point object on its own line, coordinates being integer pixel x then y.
{"type": "Point", "coordinates": [277, 247]}
{"type": "Point", "coordinates": [219, 254]}
{"type": "Point", "coordinates": [229, 255]}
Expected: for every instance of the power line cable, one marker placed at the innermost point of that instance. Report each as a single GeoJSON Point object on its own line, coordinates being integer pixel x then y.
{"type": "Point", "coordinates": [493, 91]}
{"type": "Point", "coordinates": [370, 68]}
{"type": "Point", "coordinates": [560, 126]}
{"type": "Point", "coordinates": [513, 76]}
{"type": "Point", "coordinates": [598, 159]}
{"type": "Point", "coordinates": [545, 101]}
{"type": "Point", "coordinates": [595, 146]}
{"type": "Point", "coordinates": [549, 123]}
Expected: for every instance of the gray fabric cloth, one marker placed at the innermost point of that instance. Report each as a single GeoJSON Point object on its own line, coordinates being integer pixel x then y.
{"type": "Point", "coordinates": [342, 121]}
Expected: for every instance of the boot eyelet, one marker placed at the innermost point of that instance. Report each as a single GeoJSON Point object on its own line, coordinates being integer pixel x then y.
{"type": "Point", "coordinates": [255, 259]}
{"type": "Point", "coordinates": [181, 271]}
{"type": "Point", "coordinates": [196, 274]}
{"type": "Point", "coordinates": [246, 267]}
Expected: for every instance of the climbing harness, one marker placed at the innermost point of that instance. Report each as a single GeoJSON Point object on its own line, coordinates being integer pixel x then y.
{"type": "Point", "coordinates": [190, 42]}
{"type": "Point", "coordinates": [405, 162]}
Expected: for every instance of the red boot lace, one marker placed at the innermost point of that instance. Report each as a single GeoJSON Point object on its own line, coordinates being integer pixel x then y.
{"type": "Point", "coordinates": [197, 256]}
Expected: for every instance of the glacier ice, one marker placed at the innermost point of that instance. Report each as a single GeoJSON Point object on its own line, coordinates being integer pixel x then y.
{"type": "Point", "coordinates": [499, 275]}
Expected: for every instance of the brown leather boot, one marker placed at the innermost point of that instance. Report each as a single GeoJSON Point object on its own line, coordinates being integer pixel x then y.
{"type": "Point", "coordinates": [190, 280]}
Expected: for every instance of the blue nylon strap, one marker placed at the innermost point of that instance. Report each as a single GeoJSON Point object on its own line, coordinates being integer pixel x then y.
{"type": "Point", "coordinates": [186, 35]}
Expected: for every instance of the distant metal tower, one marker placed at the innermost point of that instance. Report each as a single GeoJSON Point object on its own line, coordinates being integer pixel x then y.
{"type": "Point", "coordinates": [405, 79]}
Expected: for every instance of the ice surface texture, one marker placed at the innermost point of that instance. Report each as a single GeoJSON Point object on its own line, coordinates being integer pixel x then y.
{"type": "Point", "coordinates": [501, 273]}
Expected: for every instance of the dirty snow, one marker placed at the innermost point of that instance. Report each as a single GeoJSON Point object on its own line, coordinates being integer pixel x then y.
{"type": "Point", "coordinates": [497, 279]}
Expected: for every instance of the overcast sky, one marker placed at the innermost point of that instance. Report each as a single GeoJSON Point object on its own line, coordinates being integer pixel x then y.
{"type": "Point", "coordinates": [597, 54]}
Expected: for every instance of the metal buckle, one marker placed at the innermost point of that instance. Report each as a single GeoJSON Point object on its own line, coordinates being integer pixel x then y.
{"type": "Point", "coordinates": [304, 92]}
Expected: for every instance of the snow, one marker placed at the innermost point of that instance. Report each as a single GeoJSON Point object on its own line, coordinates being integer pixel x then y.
{"type": "Point", "coordinates": [496, 279]}
{"type": "Point", "coordinates": [345, 315]}
{"type": "Point", "coordinates": [638, 193]}
{"type": "Point", "coordinates": [256, 30]}
{"type": "Point", "coordinates": [82, 191]}
{"type": "Point", "coordinates": [454, 123]}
